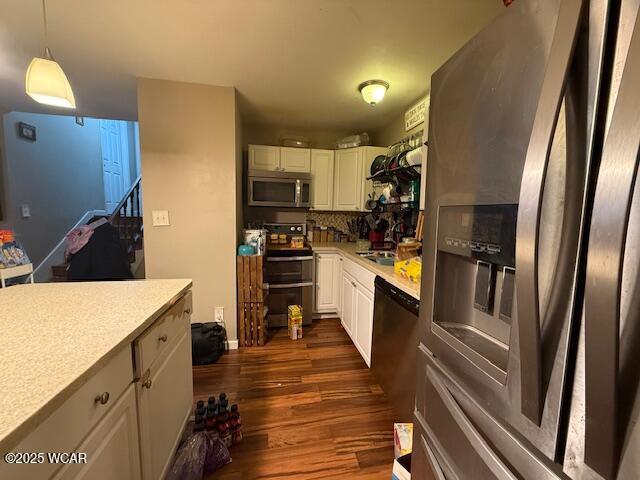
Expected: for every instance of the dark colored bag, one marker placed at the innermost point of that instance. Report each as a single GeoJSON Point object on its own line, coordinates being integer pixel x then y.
{"type": "Point", "coordinates": [207, 342]}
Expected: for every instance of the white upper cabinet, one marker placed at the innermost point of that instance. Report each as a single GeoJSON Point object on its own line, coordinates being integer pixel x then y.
{"type": "Point", "coordinates": [322, 179]}
{"type": "Point", "coordinates": [264, 157]}
{"type": "Point", "coordinates": [280, 159]}
{"type": "Point", "coordinates": [352, 167]}
{"type": "Point", "coordinates": [295, 159]}
{"type": "Point", "coordinates": [348, 181]}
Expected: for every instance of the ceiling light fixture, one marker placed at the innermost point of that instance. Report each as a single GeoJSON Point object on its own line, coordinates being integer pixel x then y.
{"type": "Point", "coordinates": [373, 91]}
{"type": "Point", "coordinates": [45, 81]}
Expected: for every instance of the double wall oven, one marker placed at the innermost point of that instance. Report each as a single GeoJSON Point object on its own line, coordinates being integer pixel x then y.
{"type": "Point", "coordinates": [289, 273]}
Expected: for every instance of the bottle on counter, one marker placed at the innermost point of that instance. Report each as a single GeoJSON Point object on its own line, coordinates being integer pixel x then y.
{"type": "Point", "coordinates": [211, 404]}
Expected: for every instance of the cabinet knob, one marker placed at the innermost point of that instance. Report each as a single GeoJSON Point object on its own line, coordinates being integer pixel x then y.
{"type": "Point", "coordinates": [163, 337]}
{"type": "Point", "coordinates": [147, 383]}
{"type": "Point", "coordinates": [102, 399]}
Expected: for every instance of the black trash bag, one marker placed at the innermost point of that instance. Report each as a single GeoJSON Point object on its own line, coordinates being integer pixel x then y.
{"type": "Point", "coordinates": [208, 341]}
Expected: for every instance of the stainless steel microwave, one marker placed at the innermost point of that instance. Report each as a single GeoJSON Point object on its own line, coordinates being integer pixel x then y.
{"type": "Point", "coordinates": [279, 189]}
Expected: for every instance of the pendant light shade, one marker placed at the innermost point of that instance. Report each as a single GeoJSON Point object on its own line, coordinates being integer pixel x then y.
{"type": "Point", "coordinates": [46, 83]}
{"type": "Point", "coordinates": [373, 91]}
{"type": "Point", "coordinates": [45, 80]}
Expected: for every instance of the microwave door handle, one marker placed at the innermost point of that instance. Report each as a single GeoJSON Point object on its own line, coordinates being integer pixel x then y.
{"type": "Point", "coordinates": [617, 179]}
{"type": "Point", "coordinates": [530, 203]}
{"type": "Point", "coordinates": [298, 192]}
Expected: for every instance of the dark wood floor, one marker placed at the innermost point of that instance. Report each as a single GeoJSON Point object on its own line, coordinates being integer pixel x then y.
{"type": "Point", "coordinates": [310, 408]}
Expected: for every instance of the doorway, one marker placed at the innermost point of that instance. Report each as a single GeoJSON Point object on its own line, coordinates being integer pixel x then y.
{"type": "Point", "coordinates": [117, 151]}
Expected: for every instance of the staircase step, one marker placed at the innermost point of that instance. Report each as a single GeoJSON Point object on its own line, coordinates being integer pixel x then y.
{"type": "Point", "coordinates": [60, 270]}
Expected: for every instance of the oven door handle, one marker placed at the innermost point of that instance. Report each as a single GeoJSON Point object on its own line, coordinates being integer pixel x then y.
{"type": "Point", "coordinates": [273, 286]}
{"type": "Point", "coordinates": [289, 259]}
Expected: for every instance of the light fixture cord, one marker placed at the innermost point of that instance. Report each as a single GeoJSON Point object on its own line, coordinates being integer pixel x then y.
{"type": "Point", "coordinates": [44, 17]}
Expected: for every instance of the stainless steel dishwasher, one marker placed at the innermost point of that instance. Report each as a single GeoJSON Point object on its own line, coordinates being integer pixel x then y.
{"type": "Point", "coordinates": [395, 345]}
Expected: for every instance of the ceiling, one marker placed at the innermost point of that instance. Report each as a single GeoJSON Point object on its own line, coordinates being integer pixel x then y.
{"type": "Point", "coordinates": [293, 62]}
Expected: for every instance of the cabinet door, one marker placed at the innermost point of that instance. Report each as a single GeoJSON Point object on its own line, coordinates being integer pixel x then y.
{"type": "Point", "coordinates": [264, 157]}
{"type": "Point", "coordinates": [347, 187]}
{"type": "Point", "coordinates": [348, 299]}
{"type": "Point", "coordinates": [338, 284]}
{"type": "Point", "coordinates": [295, 159]}
{"type": "Point", "coordinates": [112, 447]}
{"type": "Point", "coordinates": [325, 286]}
{"type": "Point", "coordinates": [164, 399]}
{"type": "Point", "coordinates": [363, 321]}
{"type": "Point", "coordinates": [322, 184]}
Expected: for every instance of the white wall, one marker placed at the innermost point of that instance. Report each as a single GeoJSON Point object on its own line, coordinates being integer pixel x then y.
{"type": "Point", "coordinates": [190, 167]}
{"type": "Point", "coordinates": [59, 176]}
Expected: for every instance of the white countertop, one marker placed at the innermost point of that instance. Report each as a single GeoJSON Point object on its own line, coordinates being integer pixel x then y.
{"type": "Point", "coordinates": [55, 335]}
{"type": "Point", "coordinates": [384, 271]}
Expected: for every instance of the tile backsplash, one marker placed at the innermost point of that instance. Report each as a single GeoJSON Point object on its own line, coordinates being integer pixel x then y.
{"type": "Point", "coordinates": [337, 220]}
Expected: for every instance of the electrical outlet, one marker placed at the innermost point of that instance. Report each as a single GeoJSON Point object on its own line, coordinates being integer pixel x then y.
{"type": "Point", "coordinates": [160, 218]}
{"type": "Point", "coordinates": [25, 210]}
{"type": "Point", "coordinates": [219, 314]}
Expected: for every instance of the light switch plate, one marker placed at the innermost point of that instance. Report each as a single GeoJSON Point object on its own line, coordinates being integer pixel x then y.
{"type": "Point", "coordinates": [26, 211]}
{"type": "Point", "coordinates": [160, 218]}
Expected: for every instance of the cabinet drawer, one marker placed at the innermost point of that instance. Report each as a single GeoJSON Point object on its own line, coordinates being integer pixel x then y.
{"type": "Point", "coordinates": [361, 274]}
{"type": "Point", "coordinates": [65, 428]}
{"type": "Point", "coordinates": [160, 337]}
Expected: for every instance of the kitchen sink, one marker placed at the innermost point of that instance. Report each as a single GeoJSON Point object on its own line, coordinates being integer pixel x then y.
{"type": "Point", "coordinates": [381, 257]}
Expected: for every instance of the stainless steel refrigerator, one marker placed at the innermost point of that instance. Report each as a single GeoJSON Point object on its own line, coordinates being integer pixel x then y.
{"type": "Point", "coordinates": [529, 355]}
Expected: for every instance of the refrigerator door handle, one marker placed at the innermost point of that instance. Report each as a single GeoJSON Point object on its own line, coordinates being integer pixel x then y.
{"type": "Point", "coordinates": [617, 178]}
{"type": "Point", "coordinates": [530, 203]}
{"type": "Point", "coordinates": [477, 441]}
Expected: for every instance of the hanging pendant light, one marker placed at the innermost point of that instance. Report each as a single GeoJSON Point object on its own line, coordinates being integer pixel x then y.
{"type": "Point", "coordinates": [45, 81]}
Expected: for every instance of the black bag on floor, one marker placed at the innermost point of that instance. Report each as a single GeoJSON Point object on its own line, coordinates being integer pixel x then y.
{"type": "Point", "coordinates": [207, 342]}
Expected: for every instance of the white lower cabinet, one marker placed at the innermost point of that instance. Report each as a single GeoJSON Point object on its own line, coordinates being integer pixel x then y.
{"type": "Point", "coordinates": [348, 303]}
{"type": "Point", "coordinates": [112, 447]}
{"type": "Point", "coordinates": [364, 322]}
{"type": "Point", "coordinates": [165, 397]}
{"type": "Point", "coordinates": [327, 282]}
{"type": "Point", "coordinates": [357, 293]}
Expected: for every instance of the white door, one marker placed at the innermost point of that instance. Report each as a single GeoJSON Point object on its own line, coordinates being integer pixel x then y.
{"type": "Point", "coordinates": [347, 190]}
{"type": "Point", "coordinates": [264, 157]}
{"type": "Point", "coordinates": [295, 159]}
{"type": "Point", "coordinates": [112, 447]}
{"type": "Point", "coordinates": [322, 176]}
{"type": "Point", "coordinates": [115, 161]}
{"type": "Point", "coordinates": [348, 297]}
{"type": "Point", "coordinates": [325, 286]}
{"type": "Point", "coordinates": [164, 405]}
{"type": "Point", "coordinates": [364, 321]}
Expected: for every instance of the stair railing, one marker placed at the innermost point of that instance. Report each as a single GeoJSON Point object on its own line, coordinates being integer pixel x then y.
{"type": "Point", "coordinates": [127, 217]}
